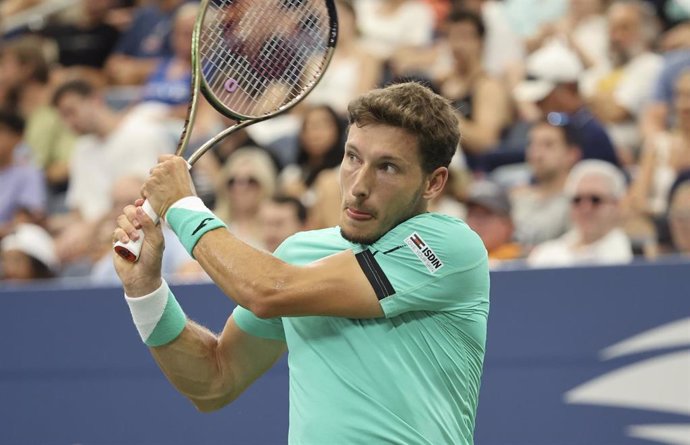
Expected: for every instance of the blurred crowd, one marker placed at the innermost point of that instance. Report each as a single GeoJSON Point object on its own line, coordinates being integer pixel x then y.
{"type": "Point", "coordinates": [574, 115]}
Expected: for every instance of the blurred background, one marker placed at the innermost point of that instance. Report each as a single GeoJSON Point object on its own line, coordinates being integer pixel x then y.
{"type": "Point", "coordinates": [573, 167]}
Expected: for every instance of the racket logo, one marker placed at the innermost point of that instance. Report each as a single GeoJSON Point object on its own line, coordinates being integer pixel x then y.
{"type": "Point", "coordinates": [231, 85]}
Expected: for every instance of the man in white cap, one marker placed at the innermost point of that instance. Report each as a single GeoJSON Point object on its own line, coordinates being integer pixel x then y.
{"type": "Point", "coordinates": [553, 74]}
{"type": "Point", "coordinates": [28, 253]}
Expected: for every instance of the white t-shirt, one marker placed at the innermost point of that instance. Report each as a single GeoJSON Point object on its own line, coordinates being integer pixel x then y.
{"type": "Point", "coordinates": [614, 248]}
{"type": "Point", "coordinates": [131, 150]}
{"type": "Point", "coordinates": [411, 25]}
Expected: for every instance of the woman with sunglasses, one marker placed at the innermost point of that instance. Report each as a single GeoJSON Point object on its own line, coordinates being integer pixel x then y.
{"type": "Point", "coordinates": [246, 180]}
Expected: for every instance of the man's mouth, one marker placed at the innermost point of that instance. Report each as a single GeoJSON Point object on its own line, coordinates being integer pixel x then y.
{"type": "Point", "coordinates": [358, 215]}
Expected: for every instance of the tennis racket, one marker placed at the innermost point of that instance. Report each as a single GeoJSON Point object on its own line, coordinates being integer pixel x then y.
{"type": "Point", "coordinates": [252, 59]}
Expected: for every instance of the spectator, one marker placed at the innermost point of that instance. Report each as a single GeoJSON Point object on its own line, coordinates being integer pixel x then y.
{"type": "Point", "coordinates": [281, 217]}
{"type": "Point", "coordinates": [388, 25]}
{"type": "Point", "coordinates": [22, 187]}
{"type": "Point", "coordinates": [540, 209]}
{"type": "Point", "coordinates": [658, 114]}
{"type": "Point", "coordinates": [110, 145]}
{"type": "Point", "coordinates": [583, 30]}
{"type": "Point", "coordinates": [246, 180]}
{"type": "Point", "coordinates": [622, 90]}
{"type": "Point", "coordinates": [28, 253]}
{"type": "Point", "coordinates": [141, 46]}
{"type": "Point", "coordinates": [488, 214]}
{"type": "Point", "coordinates": [320, 148]}
{"type": "Point", "coordinates": [170, 82]}
{"type": "Point", "coordinates": [595, 189]}
{"type": "Point", "coordinates": [664, 155]}
{"type": "Point", "coordinates": [482, 101]}
{"type": "Point", "coordinates": [88, 40]}
{"type": "Point", "coordinates": [552, 84]}
{"type": "Point", "coordinates": [679, 214]}
{"type": "Point", "coordinates": [353, 69]}
{"type": "Point", "coordinates": [24, 75]}
{"type": "Point", "coordinates": [503, 48]}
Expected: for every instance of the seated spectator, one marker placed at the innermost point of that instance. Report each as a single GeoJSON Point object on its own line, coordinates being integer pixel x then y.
{"type": "Point", "coordinates": [488, 214]}
{"type": "Point", "coordinates": [280, 217]}
{"type": "Point", "coordinates": [482, 102]}
{"type": "Point", "coordinates": [88, 40]}
{"type": "Point", "coordinates": [22, 186]}
{"type": "Point", "coordinates": [320, 148]}
{"type": "Point", "coordinates": [621, 91]}
{"type": "Point", "coordinates": [110, 145]}
{"type": "Point", "coordinates": [28, 253]}
{"type": "Point", "coordinates": [552, 84]}
{"type": "Point", "coordinates": [170, 82]}
{"type": "Point", "coordinates": [140, 47]}
{"type": "Point", "coordinates": [24, 74]}
{"type": "Point", "coordinates": [582, 29]}
{"type": "Point", "coordinates": [388, 25]}
{"type": "Point", "coordinates": [246, 180]}
{"type": "Point", "coordinates": [679, 214]}
{"type": "Point", "coordinates": [541, 208]}
{"type": "Point", "coordinates": [658, 113]}
{"type": "Point", "coordinates": [664, 156]}
{"type": "Point", "coordinates": [353, 69]}
{"type": "Point", "coordinates": [595, 189]}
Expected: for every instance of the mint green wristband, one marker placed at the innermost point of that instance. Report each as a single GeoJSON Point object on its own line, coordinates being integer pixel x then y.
{"type": "Point", "coordinates": [157, 316]}
{"type": "Point", "coordinates": [171, 324]}
{"type": "Point", "coordinates": [190, 219]}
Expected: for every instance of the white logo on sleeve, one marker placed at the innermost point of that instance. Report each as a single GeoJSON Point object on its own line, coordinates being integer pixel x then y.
{"type": "Point", "coordinates": [424, 252]}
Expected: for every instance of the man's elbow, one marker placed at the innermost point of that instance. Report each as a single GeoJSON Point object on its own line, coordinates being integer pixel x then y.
{"type": "Point", "coordinates": [210, 405]}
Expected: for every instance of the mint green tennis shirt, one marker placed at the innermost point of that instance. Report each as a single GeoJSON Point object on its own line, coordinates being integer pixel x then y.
{"type": "Point", "coordinates": [410, 378]}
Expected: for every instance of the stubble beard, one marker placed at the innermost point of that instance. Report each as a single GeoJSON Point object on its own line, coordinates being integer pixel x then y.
{"type": "Point", "coordinates": [371, 239]}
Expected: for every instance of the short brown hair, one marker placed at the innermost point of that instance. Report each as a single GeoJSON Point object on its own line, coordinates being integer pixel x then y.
{"type": "Point", "coordinates": [417, 109]}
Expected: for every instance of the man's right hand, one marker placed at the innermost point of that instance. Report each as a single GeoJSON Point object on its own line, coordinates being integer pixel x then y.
{"type": "Point", "coordinates": [144, 276]}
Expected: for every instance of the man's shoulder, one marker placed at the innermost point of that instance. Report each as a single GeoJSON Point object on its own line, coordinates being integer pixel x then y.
{"type": "Point", "coordinates": [447, 238]}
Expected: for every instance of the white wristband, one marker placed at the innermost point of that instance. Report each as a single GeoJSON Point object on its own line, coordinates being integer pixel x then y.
{"type": "Point", "coordinates": [157, 316]}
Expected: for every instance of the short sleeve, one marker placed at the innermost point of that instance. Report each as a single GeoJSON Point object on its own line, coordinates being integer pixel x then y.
{"type": "Point", "coordinates": [439, 264]}
{"type": "Point", "coordinates": [271, 328]}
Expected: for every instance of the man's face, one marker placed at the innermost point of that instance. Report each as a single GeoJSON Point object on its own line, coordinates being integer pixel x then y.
{"type": "Point", "coordinates": [547, 152]}
{"type": "Point", "coordinates": [77, 112]}
{"type": "Point", "coordinates": [625, 33]}
{"type": "Point", "coordinates": [382, 181]}
{"type": "Point", "coordinates": [679, 219]}
{"type": "Point", "coordinates": [594, 210]}
{"type": "Point", "coordinates": [278, 221]}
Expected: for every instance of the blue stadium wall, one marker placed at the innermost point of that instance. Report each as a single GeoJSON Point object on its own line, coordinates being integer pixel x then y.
{"type": "Point", "coordinates": [578, 356]}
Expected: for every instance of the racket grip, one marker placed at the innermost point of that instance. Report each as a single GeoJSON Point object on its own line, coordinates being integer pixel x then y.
{"type": "Point", "coordinates": [130, 250]}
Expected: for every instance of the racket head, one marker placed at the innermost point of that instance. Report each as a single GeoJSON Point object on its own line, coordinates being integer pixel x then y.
{"type": "Point", "coordinates": [257, 58]}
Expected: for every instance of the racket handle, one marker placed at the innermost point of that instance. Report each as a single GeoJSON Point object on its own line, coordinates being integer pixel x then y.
{"type": "Point", "coordinates": [130, 250]}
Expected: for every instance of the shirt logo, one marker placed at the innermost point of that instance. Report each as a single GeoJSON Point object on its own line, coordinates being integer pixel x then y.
{"type": "Point", "coordinates": [424, 252]}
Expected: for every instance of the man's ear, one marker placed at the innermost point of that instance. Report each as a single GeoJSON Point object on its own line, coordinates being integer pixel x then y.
{"type": "Point", "coordinates": [435, 183]}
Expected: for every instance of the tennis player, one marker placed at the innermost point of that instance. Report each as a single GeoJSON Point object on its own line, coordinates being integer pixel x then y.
{"type": "Point", "coordinates": [384, 316]}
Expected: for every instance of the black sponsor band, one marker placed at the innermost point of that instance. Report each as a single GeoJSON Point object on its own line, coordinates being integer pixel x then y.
{"type": "Point", "coordinates": [375, 274]}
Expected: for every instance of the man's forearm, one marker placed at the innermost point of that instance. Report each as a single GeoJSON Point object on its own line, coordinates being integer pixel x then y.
{"type": "Point", "coordinates": [191, 364]}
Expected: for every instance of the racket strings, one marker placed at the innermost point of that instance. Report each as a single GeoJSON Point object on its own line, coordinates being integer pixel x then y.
{"type": "Point", "coordinates": [258, 57]}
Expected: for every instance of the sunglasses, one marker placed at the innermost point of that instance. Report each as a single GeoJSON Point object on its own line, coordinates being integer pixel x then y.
{"type": "Point", "coordinates": [594, 200]}
{"type": "Point", "coordinates": [247, 181]}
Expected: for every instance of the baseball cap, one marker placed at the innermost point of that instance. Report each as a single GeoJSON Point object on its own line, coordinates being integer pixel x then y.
{"type": "Point", "coordinates": [33, 241]}
{"type": "Point", "coordinates": [489, 195]}
{"type": "Point", "coordinates": [545, 68]}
